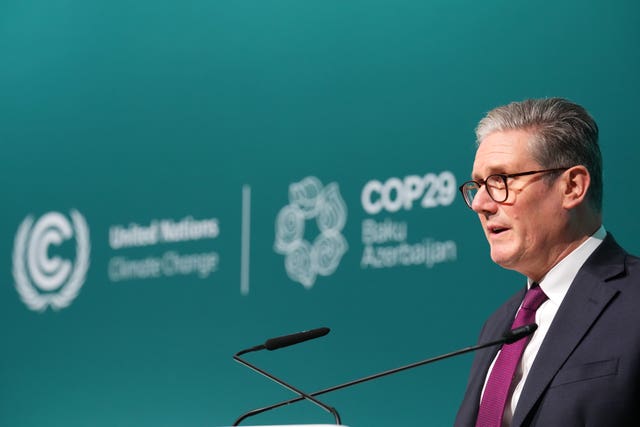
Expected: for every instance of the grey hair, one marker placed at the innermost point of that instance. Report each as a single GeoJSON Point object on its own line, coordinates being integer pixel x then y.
{"type": "Point", "coordinates": [564, 134]}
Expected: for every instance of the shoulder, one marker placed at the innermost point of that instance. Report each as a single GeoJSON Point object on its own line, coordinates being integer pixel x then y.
{"type": "Point", "coordinates": [611, 261]}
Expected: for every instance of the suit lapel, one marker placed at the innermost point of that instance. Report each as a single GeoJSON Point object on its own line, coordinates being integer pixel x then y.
{"type": "Point", "coordinates": [586, 299]}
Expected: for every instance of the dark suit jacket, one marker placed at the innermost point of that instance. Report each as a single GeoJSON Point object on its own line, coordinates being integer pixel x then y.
{"type": "Point", "coordinates": [587, 372]}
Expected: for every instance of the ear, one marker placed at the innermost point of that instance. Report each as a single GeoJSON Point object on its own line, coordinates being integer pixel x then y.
{"type": "Point", "coordinates": [576, 182]}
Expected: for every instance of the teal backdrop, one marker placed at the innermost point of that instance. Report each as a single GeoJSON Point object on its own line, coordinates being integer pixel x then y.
{"type": "Point", "coordinates": [182, 180]}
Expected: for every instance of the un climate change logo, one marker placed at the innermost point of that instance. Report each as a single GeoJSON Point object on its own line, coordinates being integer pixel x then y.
{"type": "Point", "coordinates": [43, 279]}
{"type": "Point", "coordinates": [304, 260]}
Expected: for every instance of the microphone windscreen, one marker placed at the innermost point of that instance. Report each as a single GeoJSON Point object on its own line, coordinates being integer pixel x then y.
{"type": "Point", "coordinates": [519, 333]}
{"type": "Point", "coordinates": [287, 340]}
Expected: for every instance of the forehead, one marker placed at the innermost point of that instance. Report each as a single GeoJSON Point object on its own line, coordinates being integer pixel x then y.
{"type": "Point", "coordinates": [503, 152]}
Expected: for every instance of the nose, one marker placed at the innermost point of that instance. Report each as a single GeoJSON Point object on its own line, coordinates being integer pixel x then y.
{"type": "Point", "coordinates": [483, 203]}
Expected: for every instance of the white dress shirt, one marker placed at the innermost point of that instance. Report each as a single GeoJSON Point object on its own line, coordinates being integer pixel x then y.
{"type": "Point", "coordinates": [555, 285]}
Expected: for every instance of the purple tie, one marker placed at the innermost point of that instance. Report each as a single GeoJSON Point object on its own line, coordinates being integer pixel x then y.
{"type": "Point", "coordinates": [499, 383]}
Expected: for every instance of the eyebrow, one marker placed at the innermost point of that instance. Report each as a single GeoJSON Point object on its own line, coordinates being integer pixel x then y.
{"type": "Point", "coordinates": [492, 171]}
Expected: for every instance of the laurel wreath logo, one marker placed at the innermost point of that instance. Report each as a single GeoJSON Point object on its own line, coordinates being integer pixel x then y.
{"type": "Point", "coordinates": [309, 200]}
{"type": "Point", "coordinates": [30, 290]}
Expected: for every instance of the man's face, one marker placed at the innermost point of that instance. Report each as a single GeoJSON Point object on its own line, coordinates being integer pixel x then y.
{"type": "Point", "coordinates": [526, 231]}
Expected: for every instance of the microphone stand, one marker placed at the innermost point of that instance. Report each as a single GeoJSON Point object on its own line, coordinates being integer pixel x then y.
{"type": "Point", "coordinates": [285, 341]}
{"type": "Point", "coordinates": [299, 392]}
{"type": "Point", "coordinates": [508, 337]}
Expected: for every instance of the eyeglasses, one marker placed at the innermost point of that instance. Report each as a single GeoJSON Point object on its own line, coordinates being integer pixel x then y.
{"type": "Point", "coordinates": [496, 185]}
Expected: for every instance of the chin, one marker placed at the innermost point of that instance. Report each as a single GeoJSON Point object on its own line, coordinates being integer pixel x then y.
{"type": "Point", "coordinates": [504, 260]}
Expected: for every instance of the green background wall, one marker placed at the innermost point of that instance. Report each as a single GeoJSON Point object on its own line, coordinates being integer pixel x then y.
{"type": "Point", "coordinates": [130, 112]}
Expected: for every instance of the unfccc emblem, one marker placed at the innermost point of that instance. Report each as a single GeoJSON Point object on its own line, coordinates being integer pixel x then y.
{"type": "Point", "coordinates": [304, 260]}
{"type": "Point", "coordinates": [42, 277]}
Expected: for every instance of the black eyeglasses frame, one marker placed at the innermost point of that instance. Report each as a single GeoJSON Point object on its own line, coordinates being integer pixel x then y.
{"type": "Point", "coordinates": [477, 184]}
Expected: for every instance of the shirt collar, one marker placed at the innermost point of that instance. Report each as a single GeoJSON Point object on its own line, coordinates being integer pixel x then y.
{"type": "Point", "coordinates": [556, 282]}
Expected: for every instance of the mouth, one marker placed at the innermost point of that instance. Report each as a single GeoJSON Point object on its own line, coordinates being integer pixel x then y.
{"type": "Point", "coordinates": [495, 230]}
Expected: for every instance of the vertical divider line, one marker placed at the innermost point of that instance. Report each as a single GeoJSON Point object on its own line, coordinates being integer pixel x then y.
{"type": "Point", "coordinates": [245, 240]}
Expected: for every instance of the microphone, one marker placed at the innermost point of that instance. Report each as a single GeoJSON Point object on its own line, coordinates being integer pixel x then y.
{"type": "Point", "coordinates": [280, 342]}
{"type": "Point", "coordinates": [287, 340]}
{"type": "Point", "coordinates": [508, 337]}
{"type": "Point", "coordinates": [518, 333]}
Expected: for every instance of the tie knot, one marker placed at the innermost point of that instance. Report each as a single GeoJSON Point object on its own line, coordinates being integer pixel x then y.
{"type": "Point", "coordinates": [534, 297]}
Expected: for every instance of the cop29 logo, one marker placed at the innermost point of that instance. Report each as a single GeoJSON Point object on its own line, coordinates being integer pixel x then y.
{"type": "Point", "coordinates": [42, 276]}
{"type": "Point", "coordinates": [305, 260]}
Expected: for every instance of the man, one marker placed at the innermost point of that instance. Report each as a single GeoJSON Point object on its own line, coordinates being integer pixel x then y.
{"type": "Point", "coordinates": [537, 189]}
